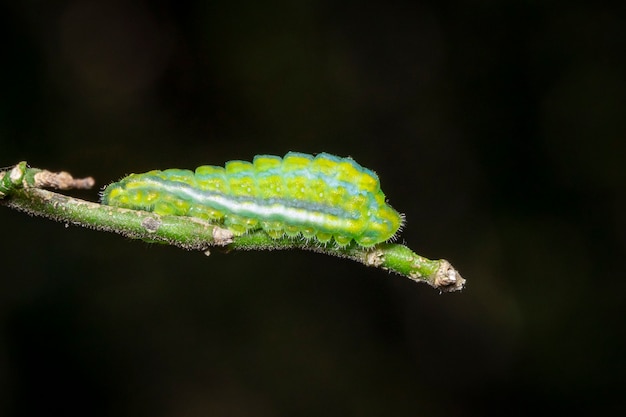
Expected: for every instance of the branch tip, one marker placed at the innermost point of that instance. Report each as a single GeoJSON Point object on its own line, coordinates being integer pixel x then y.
{"type": "Point", "coordinates": [447, 278]}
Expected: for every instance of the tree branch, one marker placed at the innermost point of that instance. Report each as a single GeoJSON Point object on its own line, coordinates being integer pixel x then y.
{"type": "Point", "coordinates": [20, 189]}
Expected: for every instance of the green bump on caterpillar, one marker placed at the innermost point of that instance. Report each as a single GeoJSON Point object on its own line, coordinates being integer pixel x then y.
{"type": "Point", "coordinates": [319, 197]}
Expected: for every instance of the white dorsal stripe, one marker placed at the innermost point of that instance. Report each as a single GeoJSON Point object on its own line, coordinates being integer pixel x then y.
{"type": "Point", "coordinates": [249, 207]}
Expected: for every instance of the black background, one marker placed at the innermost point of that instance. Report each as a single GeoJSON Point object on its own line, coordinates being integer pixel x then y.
{"type": "Point", "coordinates": [497, 127]}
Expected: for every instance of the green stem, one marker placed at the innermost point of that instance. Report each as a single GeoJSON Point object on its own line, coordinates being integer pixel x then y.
{"type": "Point", "coordinates": [20, 190]}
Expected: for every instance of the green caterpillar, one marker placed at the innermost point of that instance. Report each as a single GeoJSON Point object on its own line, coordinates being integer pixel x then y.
{"type": "Point", "coordinates": [319, 197]}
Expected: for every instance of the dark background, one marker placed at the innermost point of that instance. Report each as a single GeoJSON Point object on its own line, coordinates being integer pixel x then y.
{"type": "Point", "coordinates": [497, 127]}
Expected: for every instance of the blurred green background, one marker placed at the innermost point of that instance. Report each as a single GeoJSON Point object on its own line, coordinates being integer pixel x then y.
{"type": "Point", "coordinates": [497, 127]}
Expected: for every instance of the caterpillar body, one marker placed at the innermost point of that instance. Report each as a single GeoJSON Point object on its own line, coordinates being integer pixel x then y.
{"type": "Point", "coordinates": [319, 197]}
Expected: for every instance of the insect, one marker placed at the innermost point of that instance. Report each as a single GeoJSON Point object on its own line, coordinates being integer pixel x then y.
{"type": "Point", "coordinates": [323, 197]}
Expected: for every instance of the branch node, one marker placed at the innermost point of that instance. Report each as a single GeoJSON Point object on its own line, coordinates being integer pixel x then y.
{"type": "Point", "coordinates": [374, 258]}
{"type": "Point", "coordinates": [151, 224]}
{"type": "Point", "coordinates": [222, 237]}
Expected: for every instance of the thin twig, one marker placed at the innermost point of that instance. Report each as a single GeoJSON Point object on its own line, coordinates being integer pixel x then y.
{"type": "Point", "coordinates": [20, 190]}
